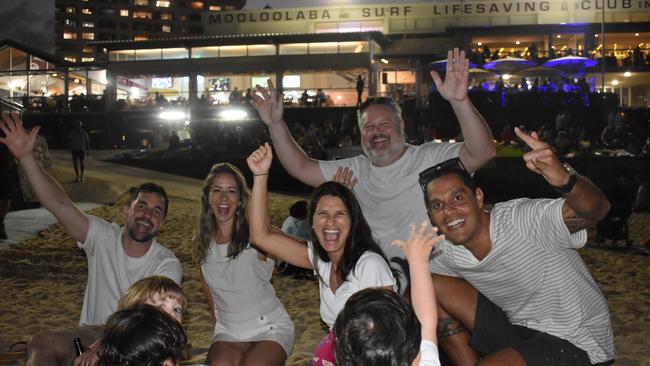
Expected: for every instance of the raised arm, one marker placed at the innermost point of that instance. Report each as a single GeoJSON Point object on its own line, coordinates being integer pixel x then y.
{"type": "Point", "coordinates": [417, 251]}
{"type": "Point", "coordinates": [269, 105]}
{"type": "Point", "coordinates": [274, 242]}
{"type": "Point", "coordinates": [585, 203]}
{"type": "Point", "coordinates": [47, 189]}
{"type": "Point", "coordinates": [478, 148]}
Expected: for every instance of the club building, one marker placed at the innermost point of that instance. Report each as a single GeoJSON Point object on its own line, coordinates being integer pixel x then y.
{"type": "Point", "coordinates": [391, 45]}
{"type": "Point", "coordinates": [306, 49]}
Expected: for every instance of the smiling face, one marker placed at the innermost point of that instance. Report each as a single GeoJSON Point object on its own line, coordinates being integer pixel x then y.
{"type": "Point", "coordinates": [455, 209]}
{"type": "Point", "coordinates": [168, 304]}
{"type": "Point", "coordinates": [224, 198]}
{"type": "Point", "coordinates": [144, 217]}
{"type": "Point", "coordinates": [331, 225]}
{"type": "Point", "coordinates": [382, 135]}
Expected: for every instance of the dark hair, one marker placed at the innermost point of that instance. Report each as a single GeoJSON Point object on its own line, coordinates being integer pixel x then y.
{"type": "Point", "coordinates": [141, 335]}
{"type": "Point", "coordinates": [359, 240]}
{"type": "Point", "coordinates": [452, 166]}
{"type": "Point", "coordinates": [385, 101]}
{"type": "Point", "coordinates": [207, 222]}
{"type": "Point", "coordinates": [150, 188]}
{"type": "Point", "coordinates": [299, 210]}
{"type": "Point", "coordinates": [376, 327]}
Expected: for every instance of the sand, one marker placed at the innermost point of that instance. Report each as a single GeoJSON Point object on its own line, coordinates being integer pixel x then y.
{"type": "Point", "coordinates": [43, 278]}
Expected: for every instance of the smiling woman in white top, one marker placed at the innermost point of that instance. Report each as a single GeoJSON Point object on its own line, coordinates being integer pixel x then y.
{"type": "Point", "coordinates": [342, 251]}
{"type": "Point", "coordinates": [251, 325]}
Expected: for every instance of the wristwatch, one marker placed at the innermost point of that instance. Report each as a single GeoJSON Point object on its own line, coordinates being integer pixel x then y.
{"type": "Point", "coordinates": [573, 179]}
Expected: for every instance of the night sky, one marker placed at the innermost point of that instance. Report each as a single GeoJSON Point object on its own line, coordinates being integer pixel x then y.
{"type": "Point", "coordinates": [32, 21]}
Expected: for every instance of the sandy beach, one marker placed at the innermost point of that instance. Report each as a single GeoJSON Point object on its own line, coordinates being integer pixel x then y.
{"type": "Point", "coordinates": [43, 278]}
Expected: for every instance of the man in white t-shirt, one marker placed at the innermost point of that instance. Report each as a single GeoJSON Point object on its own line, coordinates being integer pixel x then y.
{"type": "Point", "coordinates": [510, 284]}
{"type": "Point", "coordinates": [387, 186]}
{"type": "Point", "coordinates": [117, 257]}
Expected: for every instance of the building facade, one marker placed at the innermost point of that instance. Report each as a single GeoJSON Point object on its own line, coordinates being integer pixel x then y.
{"type": "Point", "coordinates": [81, 21]}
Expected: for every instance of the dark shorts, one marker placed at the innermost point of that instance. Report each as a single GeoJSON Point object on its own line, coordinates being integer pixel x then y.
{"type": "Point", "coordinates": [493, 332]}
{"type": "Point", "coordinates": [78, 155]}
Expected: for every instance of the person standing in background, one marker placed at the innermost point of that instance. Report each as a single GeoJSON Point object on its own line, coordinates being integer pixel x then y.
{"type": "Point", "coordinates": [360, 85]}
{"type": "Point", "coordinates": [79, 144]}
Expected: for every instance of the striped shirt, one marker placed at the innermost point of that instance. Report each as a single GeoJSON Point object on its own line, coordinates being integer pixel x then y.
{"type": "Point", "coordinates": [534, 273]}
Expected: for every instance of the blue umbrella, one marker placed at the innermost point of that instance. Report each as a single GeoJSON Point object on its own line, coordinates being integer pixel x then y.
{"type": "Point", "coordinates": [571, 64]}
{"type": "Point", "coordinates": [509, 64]}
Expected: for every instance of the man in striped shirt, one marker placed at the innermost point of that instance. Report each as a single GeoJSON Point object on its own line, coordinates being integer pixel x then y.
{"type": "Point", "coordinates": [511, 288]}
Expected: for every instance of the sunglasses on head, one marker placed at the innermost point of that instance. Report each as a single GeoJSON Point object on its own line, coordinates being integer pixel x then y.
{"type": "Point", "coordinates": [434, 172]}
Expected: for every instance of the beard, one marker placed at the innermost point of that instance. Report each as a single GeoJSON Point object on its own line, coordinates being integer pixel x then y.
{"type": "Point", "coordinates": [141, 237]}
{"type": "Point", "coordinates": [385, 156]}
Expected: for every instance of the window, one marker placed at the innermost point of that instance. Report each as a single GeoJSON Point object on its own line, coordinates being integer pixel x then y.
{"type": "Point", "coordinates": [88, 50]}
{"type": "Point", "coordinates": [140, 38]}
{"type": "Point", "coordinates": [124, 12]}
{"type": "Point", "coordinates": [142, 15]}
{"type": "Point", "coordinates": [215, 7]}
{"type": "Point", "coordinates": [87, 59]}
{"type": "Point", "coordinates": [141, 2]}
{"type": "Point", "coordinates": [162, 4]}
{"type": "Point", "coordinates": [181, 17]}
{"type": "Point", "coordinates": [69, 35]}
{"type": "Point", "coordinates": [70, 22]}
{"type": "Point", "coordinates": [166, 28]}
{"type": "Point", "coordinates": [88, 35]}
{"type": "Point", "coordinates": [86, 11]}
{"type": "Point", "coordinates": [70, 10]}
{"type": "Point", "coordinates": [108, 11]}
{"type": "Point", "coordinates": [165, 16]}
{"type": "Point", "coordinates": [88, 24]}
{"type": "Point", "coordinates": [70, 59]}
{"type": "Point", "coordinates": [196, 5]}
{"type": "Point", "coordinates": [230, 7]}
{"type": "Point", "coordinates": [174, 53]}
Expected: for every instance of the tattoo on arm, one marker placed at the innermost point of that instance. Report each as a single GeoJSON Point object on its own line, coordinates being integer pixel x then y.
{"type": "Point", "coordinates": [448, 327]}
{"type": "Point", "coordinates": [572, 221]}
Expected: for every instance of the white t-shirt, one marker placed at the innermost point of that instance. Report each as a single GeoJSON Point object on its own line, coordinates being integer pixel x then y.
{"type": "Point", "coordinates": [111, 271]}
{"type": "Point", "coordinates": [429, 354]}
{"type": "Point", "coordinates": [534, 274]}
{"type": "Point", "coordinates": [390, 196]}
{"type": "Point", "coordinates": [371, 270]}
{"type": "Point", "coordinates": [296, 227]}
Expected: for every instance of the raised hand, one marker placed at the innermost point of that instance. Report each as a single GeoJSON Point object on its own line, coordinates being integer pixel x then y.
{"type": "Point", "coordinates": [542, 160]}
{"type": "Point", "coordinates": [454, 87]}
{"type": "Point", "coordinates": [259, 161]}
{"type": "Point", "coordinates": [18, 141]}
{"type": "Point", "coordinates": [269, 104]}
{"type": "Point", "coordinates": [345, 176]}
{"type": "Point", "coordinates": [420, 242]}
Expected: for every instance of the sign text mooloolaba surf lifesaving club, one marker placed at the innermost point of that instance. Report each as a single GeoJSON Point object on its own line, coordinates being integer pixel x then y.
{"type": "Point", "coordinates": [422, 10]}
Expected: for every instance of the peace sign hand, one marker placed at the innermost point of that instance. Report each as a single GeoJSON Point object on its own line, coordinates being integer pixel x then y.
{"type": "Point", "coordinates": [542, 160]}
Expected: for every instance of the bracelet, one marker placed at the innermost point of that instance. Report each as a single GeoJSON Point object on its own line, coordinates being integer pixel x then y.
{"type": "Point", "coordinates": [257, 175]}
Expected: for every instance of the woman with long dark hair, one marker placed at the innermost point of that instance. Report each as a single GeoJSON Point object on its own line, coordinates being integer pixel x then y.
{"type": "Point", "coordinates": [251, 325]}
{"type": "Point", "coordinates": [341, 251]}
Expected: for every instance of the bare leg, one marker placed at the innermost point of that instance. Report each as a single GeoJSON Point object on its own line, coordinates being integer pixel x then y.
{"type": "Point", "coordinates": [48, 349]}
{"type": "Point", "coordinates": [264, 353]}
{"type": "Point", "coordinates": [456, 313]}
{"type": "Point", "coordinates": [227, 353]}
{"type": "Point", "coordinates": [75, 165]}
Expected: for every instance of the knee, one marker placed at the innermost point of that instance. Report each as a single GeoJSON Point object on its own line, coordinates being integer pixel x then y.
{"type": "Point", "coordinates": [50, 344]}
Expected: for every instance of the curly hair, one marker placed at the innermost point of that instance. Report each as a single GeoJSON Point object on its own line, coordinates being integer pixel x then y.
{"type": "Point", "coordinates": [207, 222]}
